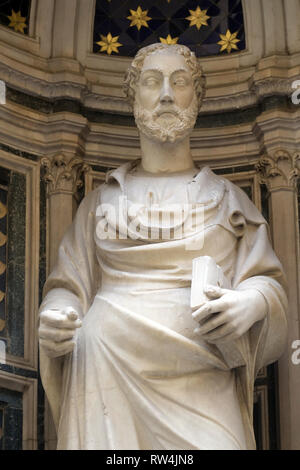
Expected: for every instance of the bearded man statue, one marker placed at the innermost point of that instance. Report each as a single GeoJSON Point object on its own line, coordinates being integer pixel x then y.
{"type": "Point", "coordinates": [126, 362]}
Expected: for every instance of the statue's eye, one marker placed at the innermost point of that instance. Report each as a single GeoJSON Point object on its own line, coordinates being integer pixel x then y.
{"type": "Point", "coordinates": [151, 81]}
{"type": "Point", "coordinates": [180, 81]}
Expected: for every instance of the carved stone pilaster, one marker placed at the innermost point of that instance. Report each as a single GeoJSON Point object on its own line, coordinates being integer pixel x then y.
{"type": "Point", "coordinates": [280, 171]}
{"type": "Point", "coordinates": [63, 174]}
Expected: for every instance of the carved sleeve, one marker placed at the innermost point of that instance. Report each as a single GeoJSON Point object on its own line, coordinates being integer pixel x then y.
{"type": "Point", "coordinates": [258, 268]}
{"type": "Point", "coordinates": [76, 276]}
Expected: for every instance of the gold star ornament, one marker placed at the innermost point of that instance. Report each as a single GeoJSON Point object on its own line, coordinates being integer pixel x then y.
{"type": "Point", "coordinates": [198, 18]}
{"type": "Point", "coordinates": [3, 240]}
{"type": "Point", "coordinates": [3, 210]}
{"type": "Point", "coordinates": [139, 18]}
{"type": "Point", "coordinates": [17, 21]}
{"type": "Point", "coordinates": [169, 40]}
{"type": "Point", "coordinates": [109, 44]}
{"type": "Point", "coordinates": [228, 41]}
{"type": "Point", "coordinates": [2, 268]}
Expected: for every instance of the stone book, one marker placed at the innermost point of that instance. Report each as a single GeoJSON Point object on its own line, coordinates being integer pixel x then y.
{"type": "Point", "coordinates": [206, 272]}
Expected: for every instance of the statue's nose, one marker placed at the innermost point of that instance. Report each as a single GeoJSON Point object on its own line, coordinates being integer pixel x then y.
{"type": "Point", "coordinates": [166, 95]}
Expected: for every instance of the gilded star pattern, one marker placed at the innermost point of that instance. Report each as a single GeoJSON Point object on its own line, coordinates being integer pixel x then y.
{"type": "Point", "coordinates": [17, 21]}
{"type": "Point", "coordinates": [139, 18]}
{"type": "Point", "coordinates": [198, 18]}
{"type": "Point", "coordinates": [109, 44]}
{"type": "Point", "coordinates": [228, 41]}
{"type": "Point", "coordinates": [138, 24]}
{"type": "Point", "coordinates": [169, 40]}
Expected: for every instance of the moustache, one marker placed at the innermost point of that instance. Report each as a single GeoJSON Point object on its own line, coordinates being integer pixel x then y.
{"type": "Point", "coordinates": [166, 110]}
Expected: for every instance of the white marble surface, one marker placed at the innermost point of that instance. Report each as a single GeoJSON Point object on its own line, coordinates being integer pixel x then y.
{"type": "Point", "coordinates": [125, 361]}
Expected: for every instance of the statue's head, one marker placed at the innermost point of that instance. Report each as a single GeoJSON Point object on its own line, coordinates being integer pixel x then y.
{"type": "Point", "coordinates": [165, 85]}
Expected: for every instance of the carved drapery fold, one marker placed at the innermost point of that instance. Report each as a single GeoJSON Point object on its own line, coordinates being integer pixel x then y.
{"type": "Point", "coordinates": [279, 171]}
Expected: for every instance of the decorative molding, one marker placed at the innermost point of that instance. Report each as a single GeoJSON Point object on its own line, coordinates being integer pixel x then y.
{"type": "Point", "coordinates": [280, 171]}
{"type": "Point", "coordinates": [30, 169]}
{"type": "Point", "coordinates": [101, 102]}
{"type": "Point", "coordinates": [273, 86]}
{"type": "Point", "coordinates": [29, 389]}
{"type": "Point", "coordinates": [223, 141]}
{"type": "Point", "coordinates": [54, 88]}
{"type": "Point", "coordinates": [63, 175]}
{"type": "Point", "coordinates": [71, 85]}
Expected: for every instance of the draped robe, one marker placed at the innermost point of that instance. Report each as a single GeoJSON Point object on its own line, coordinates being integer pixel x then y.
{"type": "Point", "coordinates": [139, 377]}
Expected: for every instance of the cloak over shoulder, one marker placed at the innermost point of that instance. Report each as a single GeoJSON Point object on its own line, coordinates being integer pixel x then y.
{"type": "Point", "coordinates": [88, 266]}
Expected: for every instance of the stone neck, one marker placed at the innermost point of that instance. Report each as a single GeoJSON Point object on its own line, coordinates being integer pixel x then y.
{"type": "Point", "coordinates": [161, 157]}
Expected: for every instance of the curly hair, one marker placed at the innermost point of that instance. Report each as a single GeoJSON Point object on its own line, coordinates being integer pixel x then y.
{"type": "Point", "coordinates": [133, 73]}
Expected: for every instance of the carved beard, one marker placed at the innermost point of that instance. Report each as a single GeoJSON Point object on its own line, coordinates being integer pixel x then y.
{"type": "Point", "coordinates": [170, 128]}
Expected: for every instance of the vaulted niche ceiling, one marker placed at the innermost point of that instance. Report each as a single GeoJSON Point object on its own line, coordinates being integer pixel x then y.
{"type": "Point", "coordinates": [15, 14]}
{"type": "Point", "coordinates": [208, 27]}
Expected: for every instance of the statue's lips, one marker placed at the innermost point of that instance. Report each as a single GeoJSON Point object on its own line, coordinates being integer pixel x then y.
{"type": "Point", "coordinates": [167, 114]}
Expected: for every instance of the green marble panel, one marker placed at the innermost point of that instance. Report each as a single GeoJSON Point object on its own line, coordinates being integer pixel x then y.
{"type": "Point", "coordinates": [42, 279]}
{"type": "Point", "coordinates": [3, 256]}
{"type": "Point", "coordinates": [16, 263]}
{"type": "Point", "coordinates": [19, 153]}
{"type": "Point", "coordinates": [11, 419]}
{"type": "Point", "coordinates": [42, 254]}
{"type": "Point", "coordinates": [233, 170]}
{"type": "Point", "coordinates": [265, 202]}
{"type": "Point", "coordinates": [32, 374]}
{"type": "Point", "coordinates": [248, 191]}
{"type": "Point", "coordinates": [4, 185]}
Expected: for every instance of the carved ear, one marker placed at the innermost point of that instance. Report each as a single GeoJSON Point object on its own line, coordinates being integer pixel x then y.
{"type": "Point", "coordinates": [200, 84]}
{"type": "Point", "coordinates": [238, 222]}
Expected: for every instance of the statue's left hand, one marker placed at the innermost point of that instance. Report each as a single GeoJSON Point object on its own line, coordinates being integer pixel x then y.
{"type": "Point", "coordinates": [229, 313]}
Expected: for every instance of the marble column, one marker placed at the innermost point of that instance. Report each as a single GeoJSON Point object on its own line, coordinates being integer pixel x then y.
{"type": "Point", "coordinates": [280, 171]}
{"type": "Point", "coordinates": [63, 175]}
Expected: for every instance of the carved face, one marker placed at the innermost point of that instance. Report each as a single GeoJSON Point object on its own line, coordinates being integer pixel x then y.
{"type": "Point", "coordinates": [166, 104]}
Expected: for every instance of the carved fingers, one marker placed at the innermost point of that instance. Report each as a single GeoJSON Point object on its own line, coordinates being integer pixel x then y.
{"type": "Point", "coordinates": [219, 303]}
{"type": "Point", "coordinates": [53, 349]}
{"type": "Point", "coordinates": [229, 314]}
{"type": "Point", "coordinates": [57, 331]}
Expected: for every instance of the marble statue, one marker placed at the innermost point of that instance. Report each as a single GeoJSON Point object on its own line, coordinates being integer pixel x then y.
{"type": "Point", "coordinates": [126, 361]}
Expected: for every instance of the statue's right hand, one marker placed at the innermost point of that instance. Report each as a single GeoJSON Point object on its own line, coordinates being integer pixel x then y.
{"type": "Point", "coordinates": [57, 331]}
